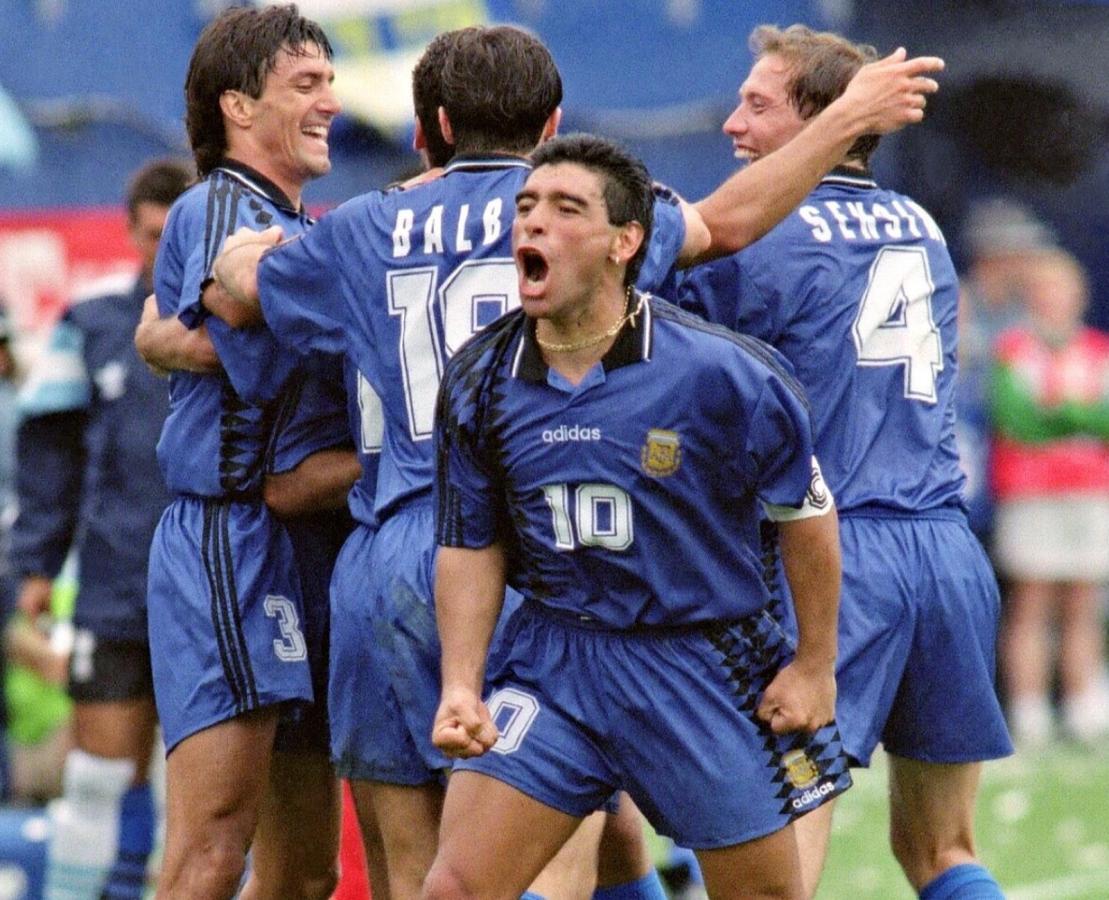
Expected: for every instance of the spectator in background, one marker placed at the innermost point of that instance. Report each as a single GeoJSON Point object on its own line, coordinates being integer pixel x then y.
{"type": "Point", "coordinates": [1002, 240]}
{"type": "Point", "coordinates": [1049, 402]}
{"type": "Point", "coordinates": [87, 479]}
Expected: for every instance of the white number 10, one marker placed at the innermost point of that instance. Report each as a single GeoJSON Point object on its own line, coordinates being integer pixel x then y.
{"type": "Point", "coordinates": [603, 516]}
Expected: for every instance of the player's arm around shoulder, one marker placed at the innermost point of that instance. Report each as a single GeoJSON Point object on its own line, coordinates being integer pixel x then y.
{"type": "Point", "coordinates": [167, 345]}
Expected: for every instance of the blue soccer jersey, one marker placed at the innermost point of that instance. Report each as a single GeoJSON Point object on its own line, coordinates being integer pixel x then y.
{"type": "Point", "coordinates": [633, 498]}
{"type": "Point", "coordinates": [399, 281]}
{"type": "Point", "coordinates": [214, 441]}
{"type": "Point", "coordinates": [856, 288]}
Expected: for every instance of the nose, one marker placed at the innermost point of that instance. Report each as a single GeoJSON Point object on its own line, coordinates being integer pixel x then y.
{"type": "Point", "coordinates": [329, 101]}
{"type": "Point", "coordinates": [736, 123]}
{"type": "Point", "coordinates": [533, 221]}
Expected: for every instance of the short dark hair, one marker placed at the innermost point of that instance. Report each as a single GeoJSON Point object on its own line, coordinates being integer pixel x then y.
{"type": "Point", "coordinates": [235, 52]}
{"type": "Point", "coordinates": [821, 64]}
{"type": "Point", "coordinates": [628, 190]}
{"type": "Point", "coordinates": [160, 181]}
{"type": "Point", "coordinates": [499, 86]}
{"type": "Point", "coordinates": [427, 96]}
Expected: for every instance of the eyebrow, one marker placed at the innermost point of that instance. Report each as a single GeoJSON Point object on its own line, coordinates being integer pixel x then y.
{"type": "Point", "coordinates": [556, 196]}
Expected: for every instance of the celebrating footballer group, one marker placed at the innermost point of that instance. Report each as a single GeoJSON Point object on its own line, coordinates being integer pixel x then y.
{"type": "Point", "coordinates": [564, 408]}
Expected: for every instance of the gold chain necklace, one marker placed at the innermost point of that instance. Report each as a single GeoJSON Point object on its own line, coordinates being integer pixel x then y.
{"type": "Point", "coordinates": [554, 347]}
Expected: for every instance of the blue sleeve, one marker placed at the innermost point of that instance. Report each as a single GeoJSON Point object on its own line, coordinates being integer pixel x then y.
{"type": "Point", "coordinates": [667, 237]}
{"type": "Point", "coordinates": [779, 443]}
{"type": "Point", "coordinates": [50, 457]}
{"type": "Point", "coordinates": [301, 288]}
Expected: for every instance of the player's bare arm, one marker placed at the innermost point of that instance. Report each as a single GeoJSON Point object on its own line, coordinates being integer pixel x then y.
{"type": "Point", "coordinates": [235, 295]}
{"type": "Point", "coordinates": [166, 345]}
{"type": "Point", "coordinates": [469, 593]}
{"type": "Point", "coordinates": [320, 482]}
{"type": "Point", "coordinates": [884, 96]}
{"type": "Point", "coordinates": [803, 694]}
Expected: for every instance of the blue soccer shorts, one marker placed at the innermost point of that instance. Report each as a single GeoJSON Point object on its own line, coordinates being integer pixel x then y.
{"type": "Point", "coordinates": [917, 640]}
{"type": "Point", "coordinates": [384, 688]}
{"type": "Point", "coordinates": [224, 614]}
{"type": "Point", "coordinates": [667, 715]}
{"type": "Point", "coordinates": [317, 539]}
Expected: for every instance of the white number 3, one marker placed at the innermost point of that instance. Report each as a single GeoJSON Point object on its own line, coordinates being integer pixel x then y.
{"type": "Point", "coordinates": [894, 325]}
{"type": "Point", "coordinates": [290, 647]}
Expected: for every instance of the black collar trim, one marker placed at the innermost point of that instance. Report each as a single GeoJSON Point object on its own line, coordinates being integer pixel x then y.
{"type": "Point", "coordinates": [487, 161]}
{"type": "Point", "coordinates": [632, 345]}
{"type": "Point", "coordinates": [259, 183]}
{"type": "Point", "coordinates": [850, 177]}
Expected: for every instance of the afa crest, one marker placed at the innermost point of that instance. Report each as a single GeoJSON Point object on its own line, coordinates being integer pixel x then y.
{"type": "Point", "coordinates": [800, 770]}
{"type": "Point", "coordinates": [662, 453]}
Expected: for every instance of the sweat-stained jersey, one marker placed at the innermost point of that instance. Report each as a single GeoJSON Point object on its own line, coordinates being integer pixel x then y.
{"type": "Point", "coordinates": [399, 281]}
{"type": "Point", "coordinates": [857, 290]}
{"type": "Point", "coordinates": [632, 499]}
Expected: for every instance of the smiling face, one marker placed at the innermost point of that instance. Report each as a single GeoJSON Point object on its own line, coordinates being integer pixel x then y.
{"type": "Point", "coordinates": [289, 123]}
{"type": "Point", "coordinates": [764, 119]}
{"type": "Point", "coordinates": [564, 245]}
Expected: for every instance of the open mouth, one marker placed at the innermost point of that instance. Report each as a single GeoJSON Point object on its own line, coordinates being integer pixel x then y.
{"type": "Point", "coordinates": [318, 132]}
{"type": "Point", "coordinates": [533, 264]}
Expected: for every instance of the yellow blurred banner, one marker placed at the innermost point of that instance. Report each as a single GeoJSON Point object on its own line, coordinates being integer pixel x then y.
{"type": "Point", "coordinates": [377, 43]}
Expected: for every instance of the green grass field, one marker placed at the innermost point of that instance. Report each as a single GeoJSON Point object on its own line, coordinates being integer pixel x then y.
{"type": "Point", "coordinates": [1043, 828]}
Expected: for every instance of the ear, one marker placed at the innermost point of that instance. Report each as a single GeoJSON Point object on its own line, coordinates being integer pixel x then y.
{"type": "Point", "coordinates": [237, 108]}
{"type": "Point", "coordinates": [445, 126]}
{"type": "Point", "coordinates": [550, 127]}
{"type": "Point", "coordinates": [625, 243]}
{"type": "Point", "coordinates": [419, 139]}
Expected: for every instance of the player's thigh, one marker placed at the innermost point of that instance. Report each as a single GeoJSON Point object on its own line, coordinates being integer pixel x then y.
{"type": "Point", "coordinates": [763, 868]}
{"type": "Point", "coordinates": [572, 874]}
{"type": "Point", "coordinates": [494, 839]}
{"type": "Point", "coordinates": [112, 687]}
{"type": "Point", "coordinates": [296, 844]}
{"type": "Point", "coordinates": [215, 780]}
{"type": "Point", "coordinates": [623, 855]}
{"type": "Point", "coordinates": [936, 800]}
{"type": "Point", "coordinates": [372, 841]}
{"type": "Point", "coordinates": [121, 729]}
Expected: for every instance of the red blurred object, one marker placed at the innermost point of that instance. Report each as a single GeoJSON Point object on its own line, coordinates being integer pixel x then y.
{"type": "Point", "coordinates": [48, 256]}
{"type": "Point", "coordinates": [354, 882]}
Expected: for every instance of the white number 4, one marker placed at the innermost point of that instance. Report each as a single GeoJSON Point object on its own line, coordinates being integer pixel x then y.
{"type": "Point", "coordinates": [894, 325]}
{"type": "Point", "coordinates": [290, 647]}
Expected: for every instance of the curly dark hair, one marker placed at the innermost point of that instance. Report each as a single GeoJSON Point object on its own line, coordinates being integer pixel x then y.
{"type": "Point", "coordinates": [235, 52]}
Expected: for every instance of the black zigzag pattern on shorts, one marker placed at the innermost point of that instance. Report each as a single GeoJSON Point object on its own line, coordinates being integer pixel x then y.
{"type": "Point", "coordinates": [753, 650]}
